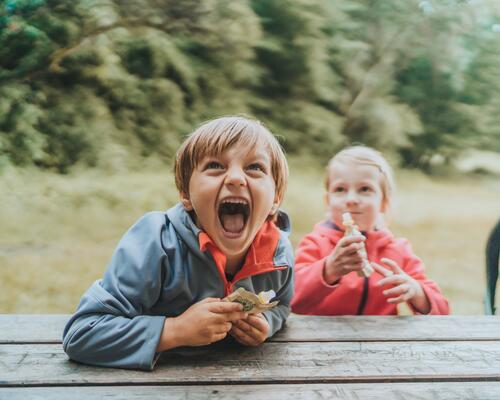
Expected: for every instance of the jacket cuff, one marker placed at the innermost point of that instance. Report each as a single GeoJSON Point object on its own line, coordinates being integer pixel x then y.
{"type": "Point", "coordinates": [433, 310]}
{"type": "Point", "coordinates": [155, 330]}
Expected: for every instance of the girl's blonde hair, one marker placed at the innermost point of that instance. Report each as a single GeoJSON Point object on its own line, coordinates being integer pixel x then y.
{"type": "Point", "coordinates": [367, 156]}
{"type": "Point", "coordinates": [215, 136]}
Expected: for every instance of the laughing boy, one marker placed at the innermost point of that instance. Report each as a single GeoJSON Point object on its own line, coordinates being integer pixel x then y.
{"type": "Point", "coordinates": [164, 284]}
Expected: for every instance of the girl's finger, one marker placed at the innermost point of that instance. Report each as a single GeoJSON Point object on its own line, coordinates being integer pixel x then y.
{"type": "Point", "coordinates": [353, 248]}
{"type": "Point", "coordinates": [381, 270]}
{"type": "Point", "coordinates": [398, 290]}
{"type": "Point", "coordinates": [392, 264]}
{"type": "Point", "coordinates": [348, 240]}
{"type": "Point", "coordinates": [399, 299]}
{"type": "Point", "coordinates": [391, 280]}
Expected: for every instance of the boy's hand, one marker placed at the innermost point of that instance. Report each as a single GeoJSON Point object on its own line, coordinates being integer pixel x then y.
{"type": "Point", "coordinates": [405, 288]}
{"type": "Point", "coordinates": [345, 258]}
{"type": "Point", "coordinates": [251, 331]}
{"type": "Point", "coordinates": [203, 323]}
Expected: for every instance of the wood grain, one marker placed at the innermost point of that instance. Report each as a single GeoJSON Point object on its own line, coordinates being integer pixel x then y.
{"type": "Point", "coordinates": [323, 362]}
{"type": "Point", "coordinates": [386, 391]}
{"type": "Point", "coordinates": [49, 328]}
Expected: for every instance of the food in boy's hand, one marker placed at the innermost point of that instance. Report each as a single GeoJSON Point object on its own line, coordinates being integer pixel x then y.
{"type": "Point", "coordinates": [351, 229]}
{"type": "Point", "coordinates": [253, 303]}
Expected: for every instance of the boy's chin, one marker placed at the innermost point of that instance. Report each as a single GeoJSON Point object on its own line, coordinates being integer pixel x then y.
{"type": "Point", "coordinates": [233, 243]}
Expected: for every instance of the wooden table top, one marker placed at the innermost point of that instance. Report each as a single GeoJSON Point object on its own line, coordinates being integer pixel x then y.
{"type": "Point", "coordinates": [452, 357]}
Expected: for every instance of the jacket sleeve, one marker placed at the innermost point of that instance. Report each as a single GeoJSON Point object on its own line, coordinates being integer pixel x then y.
{"type": "Point", "coordinates": [313, 295]}
{"type": "Point", "coordinates": [277, 316]}
{"type": "Point", "coordinates": [414, 267]}
{"type": "Point", "coordinates": [110, 327]}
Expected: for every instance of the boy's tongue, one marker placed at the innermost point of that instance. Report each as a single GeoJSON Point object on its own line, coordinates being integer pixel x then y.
{"type": "Point", "coordinates": [233, 223]}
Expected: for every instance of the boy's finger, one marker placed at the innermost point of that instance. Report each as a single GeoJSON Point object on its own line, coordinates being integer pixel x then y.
{"type": "Point", "coordinates": [241, 336]}
{"type": "Point", "coordinates": [392, 264]}
{"type": "Point", "coordinates": [250, 330]}
{"type": "Point", "coordinates": [381, 270]}
{"type": "Point", "coordinates": [225, 307]}
{"type": "Point", "coordinates": [224, 327]}
{"type": "Point", "coordinates": [257, 322]}
{"type": "Point", "coordinates": [218, 336]}
{"type": "Point", "coordinates": [235, 316]}
{"type": "Point", "coordinates": [209, 300]}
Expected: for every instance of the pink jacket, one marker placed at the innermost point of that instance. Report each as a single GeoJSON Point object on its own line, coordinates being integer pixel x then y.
{"type": "Point", "coordinates": [354, 295]}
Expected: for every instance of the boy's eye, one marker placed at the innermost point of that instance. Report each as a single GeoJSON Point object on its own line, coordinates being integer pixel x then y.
{"type": "Point", "coordinates": [213, 165]}
{"type": "Point", "coordinates": [256, 167]}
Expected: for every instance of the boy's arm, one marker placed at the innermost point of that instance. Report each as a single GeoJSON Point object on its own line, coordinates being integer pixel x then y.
{"type": "Point", "coordinates": [109, 327]}
{"type": "Point", "coordinates": [277, 316]}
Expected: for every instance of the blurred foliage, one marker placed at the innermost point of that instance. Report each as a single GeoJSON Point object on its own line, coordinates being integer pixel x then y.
{"type": "Point", "coordinates": [99, 83]}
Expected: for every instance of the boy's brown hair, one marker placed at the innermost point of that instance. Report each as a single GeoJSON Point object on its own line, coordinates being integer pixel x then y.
{"type": "Point", "coordinates": [213, 137]}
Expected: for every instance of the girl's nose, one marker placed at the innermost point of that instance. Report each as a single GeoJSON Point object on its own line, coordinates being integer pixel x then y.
{"type": "Point", "coordinates": [352, 198]}
{"type": "Point", "coordinates": [235, 176]}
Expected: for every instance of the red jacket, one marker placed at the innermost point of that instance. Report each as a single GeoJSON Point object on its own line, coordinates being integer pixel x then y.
{"type": "Point", "coordinates": [314, 296]}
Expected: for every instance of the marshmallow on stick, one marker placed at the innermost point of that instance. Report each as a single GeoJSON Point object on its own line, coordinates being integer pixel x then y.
{"type": "Point", "coordinates": [351, 229]}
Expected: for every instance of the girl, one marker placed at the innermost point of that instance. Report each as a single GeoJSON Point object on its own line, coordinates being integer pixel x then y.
{"type": "Point", "coordinates": [360, 181]}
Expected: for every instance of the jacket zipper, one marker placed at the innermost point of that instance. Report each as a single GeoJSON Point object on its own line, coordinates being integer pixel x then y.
{"type": "Point", "coordinates": [364, 297]}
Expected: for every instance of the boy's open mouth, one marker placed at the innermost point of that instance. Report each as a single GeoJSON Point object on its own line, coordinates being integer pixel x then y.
{"type": "Point", "coordinates": [233, 215]}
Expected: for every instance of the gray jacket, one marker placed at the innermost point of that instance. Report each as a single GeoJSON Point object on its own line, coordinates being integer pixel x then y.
{"type": "Point", "coordinates": [159, 271]}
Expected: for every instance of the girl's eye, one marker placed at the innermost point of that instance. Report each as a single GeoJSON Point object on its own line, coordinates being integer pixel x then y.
{"type": "Point", "coordinates": [339, 189]}
{"type": "Point", "coordinates": [256, 167]}
{"type": "Point", "coordinates": [365, 189]}
{"type": "Point", "coordinates": [213, 165]}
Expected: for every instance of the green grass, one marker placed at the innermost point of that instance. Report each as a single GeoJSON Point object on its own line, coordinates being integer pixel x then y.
{"type": "Point", "coordinates": [58, 232]}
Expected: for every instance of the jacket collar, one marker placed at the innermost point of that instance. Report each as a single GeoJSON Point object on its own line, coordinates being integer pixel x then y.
{"type": "Point", "coordinates": [265, 251]}
{"type": "Point", "coordinates": [327, 228]}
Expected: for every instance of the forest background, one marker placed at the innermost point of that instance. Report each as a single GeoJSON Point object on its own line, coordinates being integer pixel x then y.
{"type": "Point", "coordinates": [96, 96]}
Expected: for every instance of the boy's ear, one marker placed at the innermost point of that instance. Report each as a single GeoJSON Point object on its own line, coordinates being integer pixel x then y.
{"type": "Point", "coordinates": [186, 202]}
{"type": "Point", "coordinates": [275, 206]}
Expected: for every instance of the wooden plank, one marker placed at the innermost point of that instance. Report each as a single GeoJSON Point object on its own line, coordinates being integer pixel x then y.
{"type": "Point", "coordinates": [382, 328]}
{"type": "Point", "coordinates": [390, 391]}
{"type": "Point", "coordinates": [323, 362]}
{"type": "Point", "coordinates": [26, 328]}
{"type": "Point", "coordinates": [49, 328]}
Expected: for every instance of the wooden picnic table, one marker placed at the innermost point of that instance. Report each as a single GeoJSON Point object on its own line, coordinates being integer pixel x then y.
{"type": "Point", "coordinates": [452, 357]}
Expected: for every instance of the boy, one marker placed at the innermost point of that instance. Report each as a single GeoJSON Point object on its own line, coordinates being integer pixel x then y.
{"type": "Point", "coordinates": [164, 284]}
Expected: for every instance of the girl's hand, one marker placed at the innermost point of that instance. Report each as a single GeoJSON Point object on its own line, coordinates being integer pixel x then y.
{"type": "Point", "coordinates": [404, 287]}
{"type": "Point", "coordinates": [250, 331]}
{"type": "Point", "coordinates": [344, 258]}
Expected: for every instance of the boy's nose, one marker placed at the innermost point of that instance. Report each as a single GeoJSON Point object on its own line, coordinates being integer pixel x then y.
{"type": "Point", "coordinates": [235, 176]}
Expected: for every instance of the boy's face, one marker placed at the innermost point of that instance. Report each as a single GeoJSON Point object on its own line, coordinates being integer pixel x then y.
{"type": "Point", "coordinates": [355, 188]}
{"type": "Point", "coordinates": [232, 195]}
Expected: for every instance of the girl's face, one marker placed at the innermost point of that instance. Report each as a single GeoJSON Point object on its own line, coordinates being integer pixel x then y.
{"type": "Point", "coordinates": [355, 188]}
